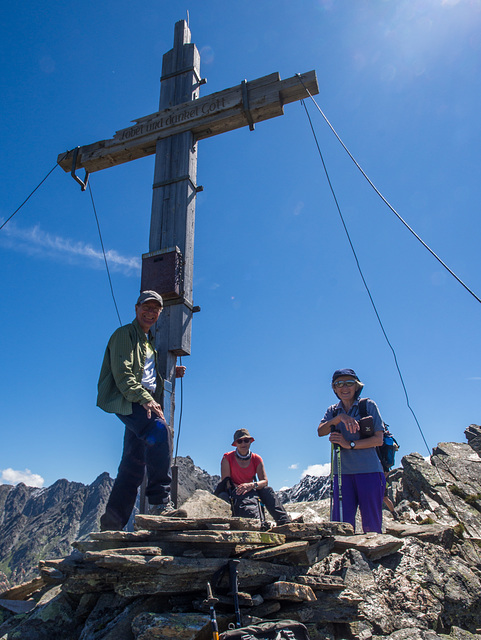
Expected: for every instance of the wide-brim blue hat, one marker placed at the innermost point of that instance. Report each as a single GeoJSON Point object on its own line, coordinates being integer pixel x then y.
{"type": "Point", "coordinates": [344, 372]}
{"type": "Point", "coordinates": [348, 372]}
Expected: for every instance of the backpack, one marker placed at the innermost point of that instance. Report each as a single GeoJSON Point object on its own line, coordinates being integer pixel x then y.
{"type": "Point", "coordinates": [271, 630]}
{"type": "Point", "coordinates": [387, 451]}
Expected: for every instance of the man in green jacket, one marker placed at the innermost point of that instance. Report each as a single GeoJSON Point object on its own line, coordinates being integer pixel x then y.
{"type": "Point", "coordinates": [129, 386]}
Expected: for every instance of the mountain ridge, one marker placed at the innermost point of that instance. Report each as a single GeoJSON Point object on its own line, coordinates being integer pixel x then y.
{"type": "Point", "coordinates": [39, 523]}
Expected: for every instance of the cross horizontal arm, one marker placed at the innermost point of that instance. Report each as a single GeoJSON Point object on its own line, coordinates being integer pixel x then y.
{"type": "Point", "coordinates": [205, 117]}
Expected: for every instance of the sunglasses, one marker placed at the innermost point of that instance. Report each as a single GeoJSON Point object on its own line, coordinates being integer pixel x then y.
{"type": "Point", "coordinates": [243, 440]}
{"type": "Point", "coordinates": [343, 383]}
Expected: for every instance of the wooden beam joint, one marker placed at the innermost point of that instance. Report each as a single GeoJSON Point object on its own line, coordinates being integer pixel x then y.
{"type": "Point", "coordinates": [245, 105]}
{"type": "Point", "coordinates": [166, 183]}
{"type": "Point", "coordinates": [193, 70]}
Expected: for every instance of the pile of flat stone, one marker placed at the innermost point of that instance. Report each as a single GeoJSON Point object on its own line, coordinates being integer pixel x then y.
{"type": "Point", "coordinates": [420, 580]}
{"type": "Point", "coordinates": [151, 583]}
{"type": "Point", "coordinates": [278, 570]}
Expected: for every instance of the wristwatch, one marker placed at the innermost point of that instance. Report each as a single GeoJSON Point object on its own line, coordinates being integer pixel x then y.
{"type": "Point", "coordinates": [353, 444]}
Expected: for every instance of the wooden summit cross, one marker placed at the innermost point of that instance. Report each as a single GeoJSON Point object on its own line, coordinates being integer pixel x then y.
{"type": "Point", "coordinates": [172, 134]}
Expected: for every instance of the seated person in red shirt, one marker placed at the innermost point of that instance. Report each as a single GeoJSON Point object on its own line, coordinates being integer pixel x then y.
{"type": "Point", "coordinates": [240, 486]}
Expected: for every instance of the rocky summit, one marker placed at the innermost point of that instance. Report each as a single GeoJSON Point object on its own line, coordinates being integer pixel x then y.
{"type": "Point", "coordinates": [418, 580]}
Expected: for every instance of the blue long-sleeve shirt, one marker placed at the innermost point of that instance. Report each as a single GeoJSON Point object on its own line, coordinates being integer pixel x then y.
{"type": "Point", "coordinates": [356, 460]}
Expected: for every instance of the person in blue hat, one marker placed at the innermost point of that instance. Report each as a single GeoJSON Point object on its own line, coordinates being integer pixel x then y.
{"type": "Point", "coordinates": [362, 478]}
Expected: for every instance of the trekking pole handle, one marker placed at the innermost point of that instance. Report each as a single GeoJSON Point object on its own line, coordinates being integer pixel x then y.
{"type": "Point", "coordinates": [334, 429]}
{"type": "Point", "coordinates": [235, 590]}
{"type": "Point", "coordinates": [212, 601]}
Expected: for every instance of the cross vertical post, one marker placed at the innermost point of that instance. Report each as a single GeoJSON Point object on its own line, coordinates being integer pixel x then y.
{"type": "Point", "coordinates": [172, 133]}
{"type": "Point", "coordinates": [173, 207]}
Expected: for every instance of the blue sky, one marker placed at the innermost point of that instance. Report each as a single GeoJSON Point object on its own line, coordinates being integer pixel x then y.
{"type": "Point", "coordinates": [282, 301]}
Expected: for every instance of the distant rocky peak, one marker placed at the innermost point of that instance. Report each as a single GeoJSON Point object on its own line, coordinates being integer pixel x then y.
{"type": "Point", "coordinates": [309, 489]}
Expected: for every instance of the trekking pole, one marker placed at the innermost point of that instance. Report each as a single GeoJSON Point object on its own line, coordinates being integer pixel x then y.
{"type": "Point", "coordinates": [212, 601]}
{"type": "Point", "coordinates": [262, 515]}
{"type": "Point", "coordinates": [336, 449]}
{"type": "Point", "coordinates": [230, 492]}
{"type": "Point", "coordinates": [339, 481]}
{"type": "Point", "coordinates": [234, 586]}
{"type": "Point", "coordinates": [260, 506]}
{"type": "Point", "coordinates": [331, 492]}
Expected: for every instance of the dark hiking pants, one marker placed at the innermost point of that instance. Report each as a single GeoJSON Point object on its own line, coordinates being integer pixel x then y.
{"type": "Point", "coordinates": [247, 505]}
{"type": "Point", "coordinates": [147, 445]}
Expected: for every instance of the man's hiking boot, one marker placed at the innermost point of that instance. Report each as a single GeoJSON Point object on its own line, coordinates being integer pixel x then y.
{"type": "Point", "coordinates": [167, 509]}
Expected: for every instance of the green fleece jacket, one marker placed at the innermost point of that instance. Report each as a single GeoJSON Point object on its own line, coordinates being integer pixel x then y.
{"type": "Point", "coordinates": [120, 380]}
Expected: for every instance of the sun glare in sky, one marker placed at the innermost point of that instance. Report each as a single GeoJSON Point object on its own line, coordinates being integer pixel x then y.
{"type": "Point", "coordinates": [405, 38]}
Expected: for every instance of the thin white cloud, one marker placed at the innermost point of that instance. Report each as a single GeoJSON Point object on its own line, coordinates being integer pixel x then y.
{"type": "Point", "coordinates": [34, 241]}
{"type": "Point", "coordinates": [11, 476]}
{"type": "Point", "coordinates": [317, 470]}
{"type": "Point", "coordinates": [298, 208]}
{"type": "Point", "coordinates": [294, 466]}
{"type": "Point", "coordinates": [207, 54]}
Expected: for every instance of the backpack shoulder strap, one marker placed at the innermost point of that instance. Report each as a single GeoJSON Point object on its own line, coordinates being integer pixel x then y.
{"type": "Point", "coordinates": [363, 407]}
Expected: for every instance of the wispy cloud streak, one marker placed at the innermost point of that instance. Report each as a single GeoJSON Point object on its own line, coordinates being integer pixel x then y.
{"type": "Point", "coordinates": [35, 242]}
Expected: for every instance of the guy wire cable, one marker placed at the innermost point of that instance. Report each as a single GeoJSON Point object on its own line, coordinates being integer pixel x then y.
{"type": "Point", "coordinates": [103, 251]}
{"type": "Point", "coordinates": [175, 469]}
{"type": "Point", "coordinates": [363, 279]}
{"type": "Point", "coordinates": [443, 481]}
{"type": "Point", "coordinates": [384, 199]}
{"type": "Point", "coordinates": [180, 416]}
{"type": "Point", "coordinates": [96, 218]}
{"type": "Point", "coordinates": [31, 194]}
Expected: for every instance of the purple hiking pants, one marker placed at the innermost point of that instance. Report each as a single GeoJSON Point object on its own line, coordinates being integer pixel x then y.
{"type": "Point", "coordinates": [363, 490]}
